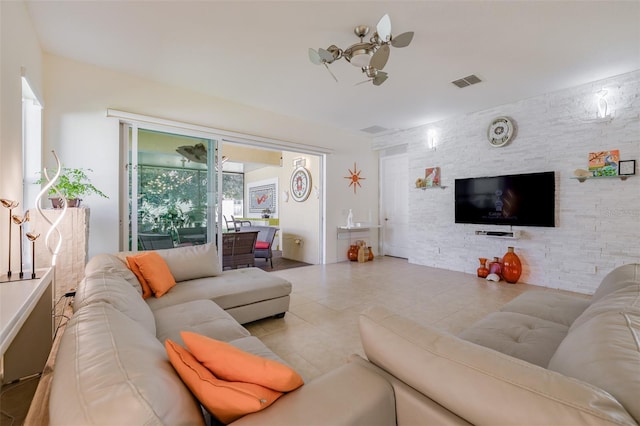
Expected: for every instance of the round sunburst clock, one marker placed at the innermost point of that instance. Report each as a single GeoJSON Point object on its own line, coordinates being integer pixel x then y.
{"type": "Point", "coordinates": [300, 184]}
{"type": "Point", "coordinates": [501, 131]}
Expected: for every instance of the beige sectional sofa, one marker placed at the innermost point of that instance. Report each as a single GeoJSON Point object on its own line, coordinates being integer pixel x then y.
{"type": "Point", "coordinates": [544, 358]}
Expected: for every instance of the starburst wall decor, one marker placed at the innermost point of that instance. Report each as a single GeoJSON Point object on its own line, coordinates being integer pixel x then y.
{"type": "Point", "coordinates": [354, 177]}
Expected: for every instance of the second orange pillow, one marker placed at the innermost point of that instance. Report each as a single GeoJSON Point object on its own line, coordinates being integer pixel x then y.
{"type": "Point", "coordinates": [230, 363]}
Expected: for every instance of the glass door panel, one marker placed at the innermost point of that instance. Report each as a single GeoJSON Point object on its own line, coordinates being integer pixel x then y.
{"type": "Point", "coordinates": [173, 180]}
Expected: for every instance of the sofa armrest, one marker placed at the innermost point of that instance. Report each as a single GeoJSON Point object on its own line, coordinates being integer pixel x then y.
{"type": "Point", "coordinates": [348, 395]}
{"type": "Point", "coordinates": [479, 384]}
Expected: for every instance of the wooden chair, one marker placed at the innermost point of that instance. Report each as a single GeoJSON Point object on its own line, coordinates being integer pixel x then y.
{"type": "Point", "coordinates": [238, 249]}
{"type": "Point", "coordinates": [155, 241]}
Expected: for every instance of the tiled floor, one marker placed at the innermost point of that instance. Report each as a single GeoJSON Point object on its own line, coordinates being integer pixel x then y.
{"type": "Point", "coordinates": [320, 330]}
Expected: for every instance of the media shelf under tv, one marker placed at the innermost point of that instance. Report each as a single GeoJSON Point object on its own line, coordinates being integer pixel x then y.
{"type": "Point", "coordinates": [514, 235]}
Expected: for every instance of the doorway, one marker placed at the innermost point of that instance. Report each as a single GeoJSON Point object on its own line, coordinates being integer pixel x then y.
{"type": "Point", "coordinates": [302, 224]}
{"type": "Point", "coordinates": [394, 204]}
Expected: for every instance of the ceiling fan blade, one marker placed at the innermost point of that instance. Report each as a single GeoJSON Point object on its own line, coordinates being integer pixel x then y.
{"type": "Point", "coordinates": [380, 78]}
{"type": "Point", "coordinates": [384, 28]}
{"type": "Point", "coordinates": [402, 40]}
{"type": "Point", "coordinates": [325, 55]}
{"type": "Point", "coordinates": [332, 75]}
{"type": "Point", "coordinates": [363, 82]}
{"type": "Point", "coordinates": [314, 57]}
{"type": "Point", "coordinates": [380, 58]}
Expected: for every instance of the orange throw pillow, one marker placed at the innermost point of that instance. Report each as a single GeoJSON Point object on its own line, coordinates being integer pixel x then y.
{"type": "Point", "coordinates": [146, 290]}
{"type": "Point", "coordinates": [230, 363]}
{"type": "Point", "coordinates": [155, 271]}
{"type": "Point", "coordinates": [228, 401]}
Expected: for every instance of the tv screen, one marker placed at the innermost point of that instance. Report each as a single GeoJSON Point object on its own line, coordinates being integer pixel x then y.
{"type": "Point", "coordinates": [523, 200]}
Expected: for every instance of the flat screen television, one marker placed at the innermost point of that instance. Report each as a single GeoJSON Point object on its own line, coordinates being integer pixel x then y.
{"type": "Point", "coordinates": [522, 200]}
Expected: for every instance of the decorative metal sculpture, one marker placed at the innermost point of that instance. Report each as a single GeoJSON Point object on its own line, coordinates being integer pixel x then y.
{"type": "Point", "coordinates": [20, 220]}
{"type": "Point", "coordinates": [54, 225]}
{"type": "Point", "coordinates": [31, 236]}
{"type": "Point", "coordinates": [10, 204]}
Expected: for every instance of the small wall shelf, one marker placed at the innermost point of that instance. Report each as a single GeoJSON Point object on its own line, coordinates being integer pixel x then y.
{"type": "Point", "coordinates": [430, 187]}
{"type": "Point", "coordinates": [583, 178]}
{"type": "Point", "coordinates": [514, 235]}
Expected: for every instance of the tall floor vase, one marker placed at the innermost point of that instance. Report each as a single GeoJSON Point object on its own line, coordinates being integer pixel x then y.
{"type": "Point", "coordinates": [511, 266]}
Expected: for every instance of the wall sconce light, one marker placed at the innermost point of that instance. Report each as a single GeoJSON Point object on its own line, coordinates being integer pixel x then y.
{"type": "Point", "coordinates": [603, 106]}
{"type": "Point", "coordinates": [432, 139]}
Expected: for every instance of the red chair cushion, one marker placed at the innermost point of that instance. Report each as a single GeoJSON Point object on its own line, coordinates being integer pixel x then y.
{"type": "Point", "coordinates": [262, 245]}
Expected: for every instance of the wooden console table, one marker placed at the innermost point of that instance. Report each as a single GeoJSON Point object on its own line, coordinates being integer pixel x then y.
{"type": "Point", "coordinates": [26, 325]}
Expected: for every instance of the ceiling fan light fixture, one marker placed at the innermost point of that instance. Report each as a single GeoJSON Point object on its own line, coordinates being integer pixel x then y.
{"type": "Point", "coordinates": [359, 54]}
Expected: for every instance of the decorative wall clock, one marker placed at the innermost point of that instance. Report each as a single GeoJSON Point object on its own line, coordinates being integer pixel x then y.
{"type": "Point", "coordinates": [501, 131]}
{"type": "Point", "coordinates": [354, 177]}
{"type": "Point", "coordinates": [300, 184]}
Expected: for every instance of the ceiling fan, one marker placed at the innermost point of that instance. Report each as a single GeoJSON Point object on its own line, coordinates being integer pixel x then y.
{"type": "Point", "coordinates": [370, 56]}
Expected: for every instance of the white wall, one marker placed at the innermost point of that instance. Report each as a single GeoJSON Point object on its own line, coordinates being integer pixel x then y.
{"type": "Point", "coordinates": [78, 96]}
{"type": "Point", "coordinates": [20, 50]}
{"type": "Point", "coordinates": [597, 222]}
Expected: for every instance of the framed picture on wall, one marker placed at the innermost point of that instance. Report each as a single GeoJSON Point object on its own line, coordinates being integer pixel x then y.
{"type": "Point", "coordinates": [262, 197]}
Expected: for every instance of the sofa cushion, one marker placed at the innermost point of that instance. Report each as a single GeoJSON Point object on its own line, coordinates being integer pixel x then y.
{"type": "Point", "coordinates": [481, 385]}
{"type": "Point", "coordinates": [230, 363]}
{"type": "Point", "coordinates": [110, 288]}
{"type": "Point", "coordinates": [625, 299]}
{"type": "Point", "coordinates": [154, 270]}
{"type": "Point", "coordinates": [604, 351]}
{"type": "Point", "coordinates": [110, 370]}
{"type": "Point", "coordinates": [556, 307]}
{"type": "Point", "coordinates": [227, 401]}
{"type": "Point", "coordinates": [236, 287]}
{"type": "Point", "coordinates": [191, 262]}
{"type": "Point", "coordinates": [522, 336]}
{"type": "Point", "coordinates": [616, 279]}
{"type": "Point", "coordinates": [114, 265]}
{"type": "Point", "coordinates": [253, 345]}
{"type": "Point", "coordinates": [199, 316]}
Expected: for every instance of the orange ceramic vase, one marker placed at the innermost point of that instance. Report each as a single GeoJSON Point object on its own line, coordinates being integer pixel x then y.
{"type": "Point", "coordinates": [483, 271]}
{"type": "Point", "coordinates": [511, 267]}
{"type": "Point", "coordinates": [352, 254]}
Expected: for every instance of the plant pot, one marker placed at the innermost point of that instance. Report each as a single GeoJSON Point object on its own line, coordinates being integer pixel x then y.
{"type": "Point", "coordinates": [56, 203]}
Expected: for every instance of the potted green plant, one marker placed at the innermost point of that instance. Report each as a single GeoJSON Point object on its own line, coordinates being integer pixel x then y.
{"type": "Point", "coordinates": [73, 184]}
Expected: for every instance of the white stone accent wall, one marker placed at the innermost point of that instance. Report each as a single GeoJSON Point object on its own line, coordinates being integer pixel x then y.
{"type": "Point", "coordinates": [597, 222]}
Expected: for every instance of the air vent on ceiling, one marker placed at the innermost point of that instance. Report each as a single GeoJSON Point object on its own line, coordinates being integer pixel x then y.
{"type": "Point", "coordinates": [374, 129]}
{"type": "Point", "coordinates": [467, 81]}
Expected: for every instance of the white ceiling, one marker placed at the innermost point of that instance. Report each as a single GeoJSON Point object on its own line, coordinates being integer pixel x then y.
{"type": "Point", "coordinates": [256, 52]}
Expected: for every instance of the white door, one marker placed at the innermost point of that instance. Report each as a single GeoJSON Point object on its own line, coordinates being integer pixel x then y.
{"type": "Point", "coordinates": [394, 204]}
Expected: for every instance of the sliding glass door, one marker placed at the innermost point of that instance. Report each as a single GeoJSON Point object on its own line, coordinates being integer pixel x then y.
{"type": "Point", "coordinates": [171, 182]}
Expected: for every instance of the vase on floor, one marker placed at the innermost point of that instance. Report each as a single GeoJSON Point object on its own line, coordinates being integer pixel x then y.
{"type": "Point", "coordinates": [352, 253]}
{"type": "Point", "coordinates": [511, 266]}
{"type": "Point", "coordinates": [483, 271]}
{"type": "Point", "coordinates": [495, 267]}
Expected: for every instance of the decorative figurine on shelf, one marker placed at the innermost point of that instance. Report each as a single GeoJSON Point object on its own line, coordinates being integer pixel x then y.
{"type": "Point", "coordinates": [20, 220]}
{"type": "Point", "coordinates": [350, 219]}
{"type": "Point", "coordinates": [483, 271]}
{"type": "Point", "coordinates": [10, 204]}
{"type": "Point", "coordinates": [32, 236]}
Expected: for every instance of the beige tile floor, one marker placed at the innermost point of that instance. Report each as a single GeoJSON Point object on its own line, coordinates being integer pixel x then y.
{"type": "Point", "coordinates": [320, 330]}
